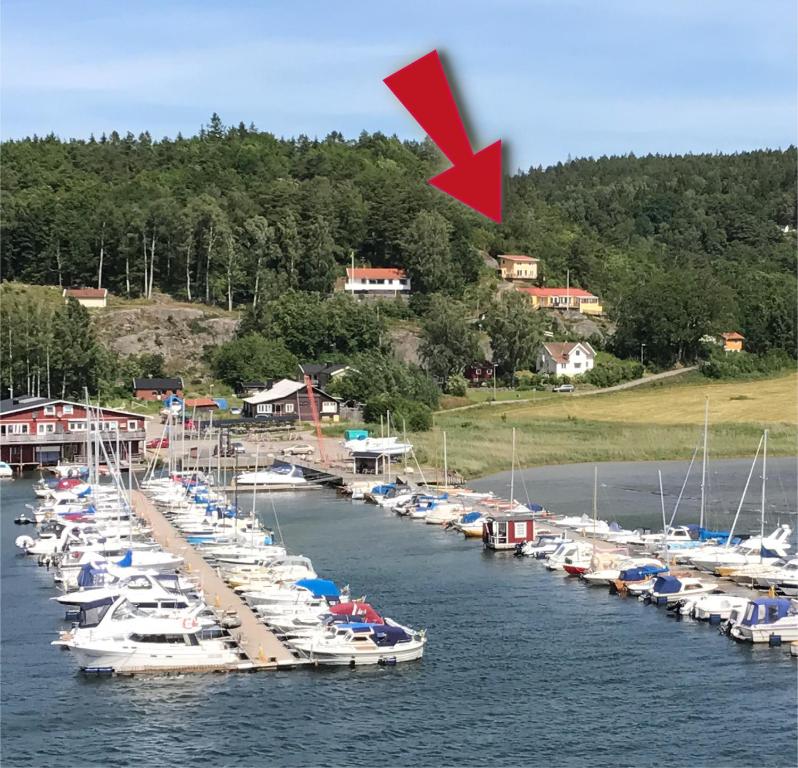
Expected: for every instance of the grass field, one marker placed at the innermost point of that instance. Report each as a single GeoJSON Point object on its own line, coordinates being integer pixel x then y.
{"type": "Point", "coordinates": [655, 422]}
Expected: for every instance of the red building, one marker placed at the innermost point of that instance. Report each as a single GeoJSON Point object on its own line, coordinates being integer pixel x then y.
{"type": "Point", "coordinates": [507, 531]}
{"type": "Point", "coordinates": [40, 431]}
{"type": "Point", "coordinates": [479, 373]}
{"type": "Point", "coordinates": [157, 389]}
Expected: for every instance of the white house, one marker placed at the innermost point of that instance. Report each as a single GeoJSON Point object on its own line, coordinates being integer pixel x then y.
{"type": "Point", "coordinates": [376, 281]}
{"type": "Point", "coordinates": [566, 358]}
{"type": "Point", "coordinates": [93, 298]}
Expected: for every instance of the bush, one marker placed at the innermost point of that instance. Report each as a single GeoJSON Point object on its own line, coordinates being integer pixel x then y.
{"type": "Point", "coordinates": [610, 370]}
{"type": "Point", "coordinates": [529, 380]}
{"type": "Point", "coordinates": [735, 365]}
{"type": "Point", "coordinates": [414, 416]}
{"type": "Point", "coordinates": [457, 385]}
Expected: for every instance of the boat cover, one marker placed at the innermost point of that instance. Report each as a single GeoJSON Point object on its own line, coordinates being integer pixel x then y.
{"type": "Point", "coordinates": [384, 634]}
{"type": "Point", "coordinates": [766, 610]}
{"type": "Point", "coordinates": [320, 587]}
{"type": "Point", "coordinates": [470, 517]}
{"type": "Point", "coordinates": [532, 507]}
{"type": "Point", "coordinates": [641, 572]}
{"type": "Point", "coordinates": [88, 572]}
{"type": "Point", "coordinates": [127, 560]}
{"type": "Point", "coordinates": [667, 585]}
{"type": "Point", "coordinates": [356, 611]}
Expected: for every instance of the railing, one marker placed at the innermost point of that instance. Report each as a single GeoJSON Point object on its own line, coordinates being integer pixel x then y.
{"type": "Point", "coordinates": [65, 436]}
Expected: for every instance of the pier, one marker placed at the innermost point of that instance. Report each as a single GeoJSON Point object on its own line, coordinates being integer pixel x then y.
{"type": "Point", "coordinates": [260, 645]}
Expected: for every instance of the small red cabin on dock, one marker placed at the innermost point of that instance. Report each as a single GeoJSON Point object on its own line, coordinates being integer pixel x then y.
{"type": "Point", "coordinates": [506, 531]}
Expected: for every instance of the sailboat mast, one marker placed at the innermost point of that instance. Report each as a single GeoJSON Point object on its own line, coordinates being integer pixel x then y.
{"type": "Point", "coordinates": [664, 524]}
{"type": "Point", "coordinates": [595, 500]}
{"type": "Point", "coordinates": [704, 464]}
{"type": "Point", "coordinates": [512, 472]}
{"type": "Point", "coordinates": [445, 463]}
{"type": "Point", "coordinates": [764, 483]}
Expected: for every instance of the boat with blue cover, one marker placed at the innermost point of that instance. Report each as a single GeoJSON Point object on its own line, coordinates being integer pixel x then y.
{"type": "Point", "coordinates": [767, 619]}
{"type": "Point", "coordinates": [672, 589]}
{"type": "Point", "coordinates": [356, 644]}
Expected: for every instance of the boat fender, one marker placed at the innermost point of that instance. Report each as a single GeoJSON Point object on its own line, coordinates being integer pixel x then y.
{"type": "Point", "coordinates": [24, 542]}
{"type": "Point", "coordinates": [774, 641]}
{"type": "Point", "coordinates": [714, 618]}
{"type": "Point", "coordinates": [189, 623]}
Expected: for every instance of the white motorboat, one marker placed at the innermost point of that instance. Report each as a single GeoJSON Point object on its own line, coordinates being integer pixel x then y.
{"type": "Point", "coordinates": [767, 618]}
{"type": "Point", "coordinates": [144, 590]}
{"type": "Point", "coordinates": [777, 575]}
{"type": "Point", "coordinates": [380, 446]}
{"type": "Point", "coordinates": [671, 589]}
{"type": "Point", "coordinates": [766, 550]}
{"type": "Point", "coordinates": [358, 644]}
{"type": "Point", "coordinates": [296, 593]}
{"type": "Point", "coordinates": [543, 545]}
{"type": "Point", "coordinates": [606, 570]}
{"type": "Point", "coordinates": [5, 470]}
{"type": "Point", "coordinates": [707, 606]}
{"type": "Point", "coordinates": [116, 636]}
{"type": "Point", "coordinates": [279, 476]}
{"type": "Point", "coordinates": [567, 552]}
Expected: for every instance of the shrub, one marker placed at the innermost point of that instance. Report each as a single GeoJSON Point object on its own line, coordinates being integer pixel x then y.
{"type": "Point", "coordinates": [415, 416]}
{"type": "Point", "coordinates": [457, 385]}
{"type": "Point", "coordinates": [735, 365]}
{"type": "Point", "coordinates": [610, 370]}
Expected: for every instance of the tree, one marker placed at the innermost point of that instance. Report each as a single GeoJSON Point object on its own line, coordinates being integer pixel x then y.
{"type": "Point", "coordinates": [448, 340]}
{"type": "Point", "coordinates": [426, 253]}
{"type": "Point", "coordinates": [252, 357]}
{"type": "Point", "coordinates": [515, 330]}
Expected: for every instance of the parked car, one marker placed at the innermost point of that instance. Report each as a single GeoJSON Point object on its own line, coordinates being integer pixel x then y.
{"type": "Point", "coordinates": [235, 411]}
{"type": "Point", "coordinates": [230, 449]}
{"type": "Point", "coordinates": [238, 447]}
{"type": "Point", "coordinates": [159, 442]}
{"type": "Point", "coordinates": [302, 449]}
{"type": "Point", "coordinates": [563, 388]}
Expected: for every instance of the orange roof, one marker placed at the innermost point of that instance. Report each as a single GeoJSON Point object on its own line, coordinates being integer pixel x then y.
{"type": "Point", "coordinates": [578, 293]}
{"type": "Point", "coordinates": [733, 336]}
{"type": "Point", "coordinates": [516, 257]}
{"type": "Point", "coordinates": [201, 402]}
{"type": "Point", "coordinates": [376, 273]}
{"type": "Point", "coordinates": [86, 293]}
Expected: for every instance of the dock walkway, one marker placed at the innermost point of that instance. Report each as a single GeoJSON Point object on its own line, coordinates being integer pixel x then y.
{"type": "Point", "coordinates": [255, 639]}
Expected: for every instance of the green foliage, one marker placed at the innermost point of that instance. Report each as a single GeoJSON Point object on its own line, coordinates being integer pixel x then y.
{"type": "Point", "coordinates": [253, 357]}
{"type": "Point", "coordinates": [608, 371]}
{"type": "Point", "coordinates": [530, 380]}
{"type": "Point", "coordinates": [736, 365]}
{"type": "Point", "coordinates": [457, 385]}
{"type": "Point", "coordinates": [515, 330]}
{"type": "Point", "coordinates": [375, 374]}
{"type": "Point", "coordinates": [448, 340]}
{"type": "Point", "coordinates": [409, 414]}
{"type": "Point", "coordinates": [312, 326]}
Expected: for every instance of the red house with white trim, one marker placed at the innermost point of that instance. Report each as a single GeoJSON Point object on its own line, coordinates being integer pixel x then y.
{"type": "Point", "coordinates": [41, 431]}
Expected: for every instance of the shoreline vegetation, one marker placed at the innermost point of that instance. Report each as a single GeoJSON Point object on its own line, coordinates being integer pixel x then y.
{"type": "Point", "coordinates": [649, 423]}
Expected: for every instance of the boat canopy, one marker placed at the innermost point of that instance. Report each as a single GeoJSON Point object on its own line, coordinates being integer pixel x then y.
{"type": "Point", "coordinates": [91, 614]}
{"type": "Point", "coordinates": [641, 572]}
{"type": "Point", "coordinates": [766, 610]}
{"type": "Point", "coordinates": [356, 611]}
{"type": "Point", "coordinates": [532, 507]}
{"type": "Point", "coordinates": [320, 587]}
{"type": "Point", "coordinates": [127, 560]}
{"type": "Point", "coordinates": [384, 634]}
{"type": "Point", "coordinates": [86, 577]}
{"type": "Point", "coordinates": [667, 585]}
{"type": "Point", "coordinates": [470, 517]}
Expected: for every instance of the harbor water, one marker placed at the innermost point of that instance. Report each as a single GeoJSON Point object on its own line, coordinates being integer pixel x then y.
{"type": "Point", "coordinates": [522, 667]}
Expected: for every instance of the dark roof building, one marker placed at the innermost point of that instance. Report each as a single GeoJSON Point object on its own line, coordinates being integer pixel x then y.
{"type": "Point", "coordinates": [157, 388]}
{"type": "Point", "coordinates": [322, 373]}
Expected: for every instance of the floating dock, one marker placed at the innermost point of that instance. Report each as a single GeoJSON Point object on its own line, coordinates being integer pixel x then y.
{"type": "Point", "coordinates": [262, 648]}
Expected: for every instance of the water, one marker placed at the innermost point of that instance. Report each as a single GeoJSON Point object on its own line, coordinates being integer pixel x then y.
{"type": "Point", "coordinates": [522, 666]}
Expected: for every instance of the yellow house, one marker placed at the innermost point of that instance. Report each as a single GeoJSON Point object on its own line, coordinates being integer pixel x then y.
{"type": "Point", "coordinates": [732, 342]}
{"type": "Point", "coordinates": [516, 267]}
{"type": "Point", "coordinates": [93, 298]}
{"type": "Point", "coordinates": [564, 298]}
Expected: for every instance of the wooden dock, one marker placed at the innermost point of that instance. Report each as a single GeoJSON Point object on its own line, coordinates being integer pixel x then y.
{"type": "Point", "coordinates": [256, 640]}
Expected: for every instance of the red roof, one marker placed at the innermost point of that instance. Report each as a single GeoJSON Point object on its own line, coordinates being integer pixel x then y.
{"type": "Point", "coordinates": [516, 257]}
{"type": "Point", "coordinates": [560, 350]}
{"type": "Point", "coordinates": [578, 293]}
{"type": "Point", "coordinates": [201, 402]}
{"type": "Point", "coordinates": [376, 273]}
{"type": "Point", "coordinates": [733, 336]}
{"type": "Point", "coordinates": [86, 293]}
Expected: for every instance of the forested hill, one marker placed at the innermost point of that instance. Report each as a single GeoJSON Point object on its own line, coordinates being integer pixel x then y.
{"type": "Point", "coordinates": [235, 213]}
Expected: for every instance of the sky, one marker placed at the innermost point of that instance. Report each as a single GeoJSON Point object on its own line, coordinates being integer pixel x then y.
{"type": "Point", "coordinates": [551, 78]}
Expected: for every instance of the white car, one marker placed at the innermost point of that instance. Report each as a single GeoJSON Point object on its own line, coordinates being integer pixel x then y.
{"type": "Point", "coordinates": [302, 449]}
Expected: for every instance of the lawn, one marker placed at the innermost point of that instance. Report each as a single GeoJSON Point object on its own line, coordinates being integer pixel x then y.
{"type": "Point", "coordinates": [649, 423]}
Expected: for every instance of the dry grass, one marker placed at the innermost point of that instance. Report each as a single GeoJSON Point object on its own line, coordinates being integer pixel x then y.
{"type": "Point", "coordinates": [654, 423]}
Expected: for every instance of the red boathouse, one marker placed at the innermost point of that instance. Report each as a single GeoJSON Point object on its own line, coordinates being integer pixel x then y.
{"type": "Point", "coordinates": [506, 531]}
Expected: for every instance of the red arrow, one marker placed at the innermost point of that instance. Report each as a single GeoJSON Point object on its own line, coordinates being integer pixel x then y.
{"type": "Point", "coordinates": [474, 178]}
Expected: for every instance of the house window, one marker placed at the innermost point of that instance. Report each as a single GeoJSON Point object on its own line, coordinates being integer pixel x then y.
{"type": "Point", "coordinates": [577, 365]}
{"type": "Point", "coordinates": [49, 410]}
{"type": "Point", "coordinates": [77, 426]}
{"type": "Point", "coordinates": [67, 409]}
{"type": "Point", "coordinates": [520, 530]}
{"type": "Point", "coordinates": [14, 429]}
{"type": "Point", "coordinates": [288, 407]}
{"type": "Point", "coordinates": [264, 408]}
{"type": "Point", "coordinates": [329, 406]}
{"type": "Point", "coordinates": [132, 426]}
{"type": "Point", "coordinates": [109, 426]}
{"type": "Point", "coordinates": [45, 428]}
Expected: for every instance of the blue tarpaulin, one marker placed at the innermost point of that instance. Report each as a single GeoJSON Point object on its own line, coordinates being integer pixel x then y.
{"type": "Point", "coordinates": [320, 587]}
{"type": "Point", "coordinates": [667, 585]}
{"type": "Point", "coordinates": [221, 402]}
